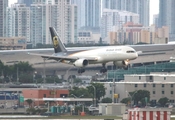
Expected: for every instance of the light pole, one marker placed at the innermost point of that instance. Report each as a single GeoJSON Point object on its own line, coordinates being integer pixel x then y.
{"type": "Point", "coordinates": [34, 75]}
{"type": "Point", "coordinates": [82, 103]}
{"type": "Point", "coordinates": [77, 97]}
{"type": "Point", "coordinates": [131, 96]}
{"type": "Point", "coordinates": [94, 95]}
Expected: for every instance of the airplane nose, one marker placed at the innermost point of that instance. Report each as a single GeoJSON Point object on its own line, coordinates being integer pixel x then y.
{"type": "Point", "coordinates": [136, 55]}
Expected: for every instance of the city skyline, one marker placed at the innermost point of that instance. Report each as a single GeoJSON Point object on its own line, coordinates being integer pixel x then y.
{"type": "Point", "coordinates": [154, 8]}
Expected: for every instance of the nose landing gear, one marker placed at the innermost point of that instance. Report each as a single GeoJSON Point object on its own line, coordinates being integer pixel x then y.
{"type": "Point", "coordinates": [103, 70]}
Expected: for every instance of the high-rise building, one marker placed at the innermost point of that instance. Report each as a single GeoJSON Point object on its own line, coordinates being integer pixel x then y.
{"type": "Point", "coordinates": [40, 23]}
{"type": "Point", "coordinates": [27, 2]}
{"type": "Point", "coordinates": [19, 21]}
{"type": "Point", "coordinates": [3, 17]}
{"type": "Point", "coordinates": [45, 1]}
{"type": "Point", "coordinates": [115, 19]}
{"type": "Point", "coordinates": [167, 16]}
{"type": "Point", "coordinates": [72, 33]}
{"type": "Point", "coordinates": [56, 13]}
{"type": "Point", "coordinates": [156, 20]}
{"type": "Point", "coordinates": [111, 4]}
{"type": "Point", "coordinates": [89, 14]}
{"type": "Point", "coordinates": [140, 7]}
{"type": "Point", "coordinates": [80, 11]}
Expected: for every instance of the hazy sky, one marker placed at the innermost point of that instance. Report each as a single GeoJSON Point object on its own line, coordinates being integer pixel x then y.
{"type": "Point", "coordinates": [154, 8]}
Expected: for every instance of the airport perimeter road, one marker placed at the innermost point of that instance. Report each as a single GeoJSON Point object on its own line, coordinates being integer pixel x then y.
{"type": "Point", "coordinates": [39, 117]}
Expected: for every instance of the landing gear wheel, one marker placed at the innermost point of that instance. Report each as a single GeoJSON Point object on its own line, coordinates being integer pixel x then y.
{"type": "Point", "coordinates": [103, 70]}
{"type": "Point", "coordinates": [81, 70]}
{"type": "Point", "coordinates": [125, 67]}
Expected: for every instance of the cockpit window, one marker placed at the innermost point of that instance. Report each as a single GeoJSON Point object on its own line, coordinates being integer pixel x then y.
{"type": "Point", "coordinates": [130, 51]}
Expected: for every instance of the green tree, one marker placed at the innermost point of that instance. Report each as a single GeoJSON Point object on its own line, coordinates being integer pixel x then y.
{"type": "Point", "coordinates": [106, 100]}
{"type": "Point", "coordinates": [26, 78]}
{"type": "Point", "coordinates": [126, 100]}
{"type": "Point", "coordinates": [53, 79]}
{"type": "Point", "coordinates": [24, 67]}
{"type": "Point", "coordinates": [140, 95]}
{"type": "Point", "coordinates": [163, 101]}
{"type": "Point", "coordinates": [29, 102]}
{"type": "Point", "coordinates": [99, 90]}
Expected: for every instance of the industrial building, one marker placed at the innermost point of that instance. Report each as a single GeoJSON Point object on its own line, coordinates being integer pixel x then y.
{"type": "Point", "coordinates": [37, 95]}
{"type": "Point", "coordinates": [159, 85]}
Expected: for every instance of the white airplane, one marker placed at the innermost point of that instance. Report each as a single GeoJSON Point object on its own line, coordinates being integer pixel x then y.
{"type": "Point", "coordinates": [119, 55]}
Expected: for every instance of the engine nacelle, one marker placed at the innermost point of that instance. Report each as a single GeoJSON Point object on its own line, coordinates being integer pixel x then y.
{"type": "Point", "coordinates": [123, 63]}
{"type": "Point", "coordinates": [81, 63]}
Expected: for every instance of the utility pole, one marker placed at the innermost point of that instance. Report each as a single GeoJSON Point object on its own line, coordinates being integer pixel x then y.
{"type": "Point", "coordinates": [44, 72]}
{"type": "Point", "coordinates": [113, 86]}
{"type": "Point", "coordinates": [113, 91]}
{"type": "Point", "coordinates": [94, 95]}
{"type": "Point", "coordinates": [17, 75]}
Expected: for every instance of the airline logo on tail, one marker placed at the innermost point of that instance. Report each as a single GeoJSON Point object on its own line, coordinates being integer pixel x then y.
{"type": "Point", "coordinates": [55, 41]}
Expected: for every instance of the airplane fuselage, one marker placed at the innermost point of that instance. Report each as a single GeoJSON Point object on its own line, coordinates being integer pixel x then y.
{"type": "Point", "coordinates": [108, 54]}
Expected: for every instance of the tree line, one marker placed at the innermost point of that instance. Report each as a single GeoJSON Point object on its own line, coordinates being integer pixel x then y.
{"type": "Point", "coordinates": [23, 72]}
{"type": "Point", "coordinates": [141, 98]}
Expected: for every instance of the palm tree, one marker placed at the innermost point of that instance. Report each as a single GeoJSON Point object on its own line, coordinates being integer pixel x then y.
{"type": "Point", "coordinates": [29, 101]}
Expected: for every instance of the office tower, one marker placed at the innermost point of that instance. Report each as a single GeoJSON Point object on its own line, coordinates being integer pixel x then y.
{"type": "Point", "coordinates": [167, 16]}
{"type": "Point", "coordinates": [40, 23]}
{"type": "Point", "coordinates": [140, 7]}
{"type": "Point", "coordinates": [56, 13]}
{"type": "Point", "coordinates": [80, 12]}
{"type": "Point", "coordinates": [27, 2]}
{"type": "Point", "coordinates": [3, 17]}
{"type": "Point", "coordinates": [19, 21]}
{"type": "Point", "coordinates": [111, 4]}
{"type": "Point", "coordinates": [72, 33]}
{"type": "Point", "coordinates": [156, 20]}
{"type": "Point", "coordinates": [89, 14]}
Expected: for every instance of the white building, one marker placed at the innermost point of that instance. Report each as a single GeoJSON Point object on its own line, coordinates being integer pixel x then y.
{"type": "Point", "coordinates": [87, 37]}
{"type": "Point", "coordinates": [115, 18]}
{"type": "Point", "coordinates": [159, 86]}
{"type": "Point", "coordinates": [19, 21]}
{"type": "Point", "coordinates": [59, 14]}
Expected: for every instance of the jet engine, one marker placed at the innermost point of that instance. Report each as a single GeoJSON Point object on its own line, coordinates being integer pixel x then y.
{"type": "Point", "coordinates": [123, 63]}
{"type": "Point", "coordinates": [81, 63]}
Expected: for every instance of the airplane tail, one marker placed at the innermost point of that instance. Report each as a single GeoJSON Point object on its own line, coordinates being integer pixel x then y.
{"type": "Point", "coordinates": [57, 43]}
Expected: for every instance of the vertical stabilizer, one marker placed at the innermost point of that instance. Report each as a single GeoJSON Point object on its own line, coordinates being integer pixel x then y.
{"type": "Point", "coordinates": [57, 43]}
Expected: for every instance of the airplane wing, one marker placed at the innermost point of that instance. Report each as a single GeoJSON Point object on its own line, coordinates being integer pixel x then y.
{"type": "Point", "coordinates": [62, 58]}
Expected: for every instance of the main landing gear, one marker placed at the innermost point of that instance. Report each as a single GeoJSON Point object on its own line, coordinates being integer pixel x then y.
{"type": "Point", "coordinates": [81, 70]}
{"type": "Point", "coordinates": [103, 70]}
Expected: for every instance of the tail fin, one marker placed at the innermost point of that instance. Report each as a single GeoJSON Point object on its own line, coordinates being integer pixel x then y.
{"type": "Point", "coordinates": [57, 43]}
